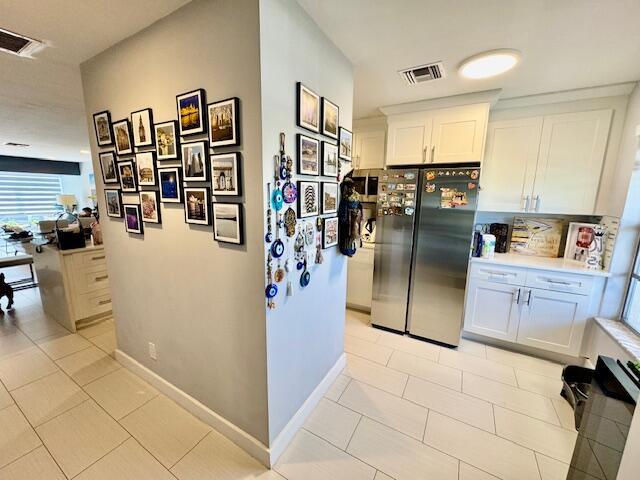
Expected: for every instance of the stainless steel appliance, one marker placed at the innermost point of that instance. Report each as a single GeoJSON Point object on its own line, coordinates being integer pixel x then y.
{"type": "Point", "coordinates": [424, 228]}
{"type": "Point", "coordinates": [366, 183]}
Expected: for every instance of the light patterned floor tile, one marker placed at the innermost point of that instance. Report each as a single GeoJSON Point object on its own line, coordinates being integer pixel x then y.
{"type": "Point", "coordinates": [399, 456]}
{"type": "Point", "coordinates": [81, 436]}
{"type": "Point", "coordinates": [525, 362]}
{"type": "Point", "coordinates": [106, 342]}
{"type": "Point", "coordinates": [333, 422]}
{"type": "Point", "coordinates": [5, 398]}
{"type": "Point", "coordinates": [36, 465]}
{"type": "Point", "coordinates": [374, 374]}
{"type": "Point", "coordinates": [382, 476]}
{"type": "Point", "coordinates": [551, 469]}
{"type": "Point", "coordinates": [371, 351]}
{"type": "Point", "coordinates": [338, 387]}
{"type": "Point", "coordinates": [472, 348]}
{"type": "Point", "coordinates": [386, 408]}
{"type": "Point", "coordinates": [556, 442]}
{"type": "Point", "coordinates": [7, 327]}
{"type": "Point", "coordinates": [17, 436]}
{"type": "Point", "coordinates": [215, 457]}
{"type": "Point", "coordinates": [48, 397]}
{"type": "Point", "coordinates": [468, 472]}
{"type": "Point", "coordinates": [39, 328]}
{"type": "Point", "coordinates": [88, 365]}
{"type": "Point", "coordinates": [97, 329]}
{"type": "Point", "coordinates": [426, 369]}
{"type": "Point", "coordinates": [565, 413]}
{"type": "Point", "coordinates": [165, 429]}
{"type": "Point", "coordinates": [479, 366]}
{"type": "Point", "coordinates": [481, 449]}
{"type": "Point", "coordinates": [550, 387]}
{"type": "Point", "coordinates": [14, 343]}
{"type": "Point", "coordinates": [120, 392]}
{"type": "Point", "coordinates": [25, 367]}
{"type": "Point", "coordinates": [127, 462]}
{"type": "Point", "coordinates": [410, 345]}
{"type": "Point", "coordinates": [529, 403]}
{"type": "Point", "coordinates": [360, 330]}
{"type": "Point", "coordinates": [62, 346]}
{"type": "Point", "coordinates": [451, 403]}
{"type": "Point", "coordinates": [308, 457]}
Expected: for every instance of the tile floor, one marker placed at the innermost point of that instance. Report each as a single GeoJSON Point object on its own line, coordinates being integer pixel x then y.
{"type": "Point", "coordinates": [401, 409]}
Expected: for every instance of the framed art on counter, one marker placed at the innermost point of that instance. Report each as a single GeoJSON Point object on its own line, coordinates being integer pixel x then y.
{"type": "Point", "coordinates": [194, 161]}
{"type": "Point", "coordinates": [227, 222]}
{"type": "Point", "coordinates": [196, 205]}
{"type": "Point", "coordinates": [170, 185]}
{"type": "Point", "coordinates": [113, 203]}
{"type": "Point", "coordinates": [308, 155]}
{"type": "Point", "coordinates": [191, 108]}
{"type": "Point", "coordinates": [142, 126]}
{"type": "Point", "coordinates": [225, 176]}
{"type": "Point", "coordinates": [167, 140]}
{"type": "Point", "coordinates": [308, 108]}
{"type": "Point", "coordinates": [330, 114]}
{"type": "Point", "coordinates": [133, 220]}
{"type": "Point", "coordinates": [108, 167]}
{"type": "Point", "coordinates": [224, 123]}
{"type": "Point", "coordinates": [122, 134]}
{"type": "Point", "coordinates": [308, 199]}
{"type": "Point", "coordinates": [102, 125]}
{"type": "Point", "coordinates": [127, 173]}
{"type": "Point", "coordinates": [150, 206]}
{"type": "Point", "coordinates": [146, 169]}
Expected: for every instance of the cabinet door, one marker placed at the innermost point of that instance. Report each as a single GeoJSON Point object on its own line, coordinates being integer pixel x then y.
{"type": "Point", "coordinates": [360, 278]}
{"type": "Point", "coordinates": [459, 134]}
{"type": "Point", "coordinates": [553, 321]}
{"type": "Point", "coordinates": [509, 166]}
{"type": "Point", "coordinates": [570, 162]}
{"type": "Point", "coordinates": [409, 140]}
{"type": "Point", "coordinates": [369, 149]}
{"type": "Point", "coordinates": [492, 309]}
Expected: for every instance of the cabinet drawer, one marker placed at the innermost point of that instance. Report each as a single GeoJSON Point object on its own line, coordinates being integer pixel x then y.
{"type": "Point", "coordinates": [498, 273]}
{"type": "Point", "coordinates": [88, 259]}
{"type": "Point", "coordinates": [560, 282]}
{"type": "Point", "coordinates": [95, 303]}
{"type": "Point", "coordinates": [91, 279]}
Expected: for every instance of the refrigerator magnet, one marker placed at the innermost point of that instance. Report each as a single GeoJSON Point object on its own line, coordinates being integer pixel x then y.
{"type": "Point", "coordinates": [431, 175]}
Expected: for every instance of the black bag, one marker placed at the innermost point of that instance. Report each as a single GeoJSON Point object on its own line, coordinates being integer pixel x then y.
{"type": "Point", "coordinates": [68, 240]}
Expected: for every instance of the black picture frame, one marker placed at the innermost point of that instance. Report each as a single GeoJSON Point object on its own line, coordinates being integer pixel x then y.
{"type": "Point", "coordinates": [102, 127]}
{"type": "Point", "coordinates": [329, 148]}
{"type": "Point", "coordinates": [128, 183]}
{"type": "Point", "coordinates": [133, 210]}
{"type": "Point", "coordinates": [148, 177]}
{"type": "Point", "coordinates": [302, 164]}
{"type": "Point", "coordinates": [143, 136]}
{"type": "Point", "coordinates": [327, 106]}
{"type": "Point", "coordinates": [325, 187]}
{"type": "Point", "coordinates": [238, 239]}
{"type": "Point", "coordinates": [234, 139]}
{"type": "Point", "coordinates": [206, 205]}
{"type": "Point", "coordinates": [234, 158]}
{"type": "Point", "coordinates": [109, 176]}
{"type": "Point", "coordinates": [176, 184]}
{"type": "Point", "coordinates": [114, 194]}
{"type": "Point", "coordinates": [301, 90]}
{"type": "Point", "coordinates": [345, 150]}
{"type": "Point", "coordinates": [144, 195]}
{"type": "Point", "coordinates": [304, 198]}
{"type": "Point", "coordinates": [187, 125]}
{"type": "Point", "coordinates": [122, 137]}
{"type": "Point", "coordinates": [189, 168]}
{"type": "Point", "coordinates": [161, 142]}
{"type": "Point", "coordinates": [329, 225]}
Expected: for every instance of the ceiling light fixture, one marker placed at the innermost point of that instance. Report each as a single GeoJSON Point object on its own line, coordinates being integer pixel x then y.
{"type": "Point", "coordinates": [489, 64]}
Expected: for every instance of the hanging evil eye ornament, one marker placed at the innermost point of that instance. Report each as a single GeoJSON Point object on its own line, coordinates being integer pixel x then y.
{"type": "Point", "coordinates": [289, 192]}
{"type": "Point", "coordinates": [277, 248]}
{"type": "Point", "coordinates": [276, 199]}
{"type": "Point", "coordinates": [305, 277]}
{"type": "Point", "coordinates": [290, 222]}
{"type": "Point", "coordinates": [298, 247]}
{"type": "Point", "coordinates": [268, 237]}
{"type": "Point", "coordinates": [271, 290]}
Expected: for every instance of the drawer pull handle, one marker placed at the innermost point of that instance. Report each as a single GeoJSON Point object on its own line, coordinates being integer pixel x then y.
{"type": "Point", "coordinates": [558, 282]}
{"type": "Point", "coordinates": [104, 302]}
{"type": "Point", "coordinates": [98, 258]}
{"type": "Point", "coordinates": [103, 277]}
{"type": "Point", "coordinates": [499, 274]}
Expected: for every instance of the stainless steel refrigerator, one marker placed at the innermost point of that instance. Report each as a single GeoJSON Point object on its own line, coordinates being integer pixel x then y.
{"type": "Point", "coordinates": [424, 226]}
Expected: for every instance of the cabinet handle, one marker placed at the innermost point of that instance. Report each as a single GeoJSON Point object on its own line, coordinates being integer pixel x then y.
{"type": "Point", "coordinates": [104, 302]}
{"type": "Point", "coordinates": [498, 274]}
{"type": "Point", "coordinates": [537, 205]}
{"type": "Point", "coordinates": [98, 258]}
{"type": "Point", "coordinates": [518, 298]}
{"type": "Point", "coordinates": [103, 277]}
{"type": "Point", "coordinates": [558, 282]}
{"type": "Point", "coordinates": [433, 154]}
{"type": "Point", "coordinates": [528, 300]}
{"type": "Point", "coordinates": [424, 155]}
{"type": "Point", "coordinates": [526, 204]}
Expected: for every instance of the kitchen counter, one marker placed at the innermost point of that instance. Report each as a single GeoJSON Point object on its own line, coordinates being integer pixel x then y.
{"type": "Point", "coordinates": [540, 263]}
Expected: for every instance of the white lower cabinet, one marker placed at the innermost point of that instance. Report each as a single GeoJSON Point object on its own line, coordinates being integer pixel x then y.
{"type": "Point", "coordinates": [360, 279]}
{"type": "Point", "coordinates": [492, 309]}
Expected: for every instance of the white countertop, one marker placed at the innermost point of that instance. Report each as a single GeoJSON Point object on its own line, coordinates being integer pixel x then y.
{"type": "Point", "coordinates": [541, 263]}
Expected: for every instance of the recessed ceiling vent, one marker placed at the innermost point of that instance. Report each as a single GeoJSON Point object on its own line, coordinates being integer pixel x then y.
{"type": "Point", "coordinates": [18, 44]}
{"type": "Point", "coordinates": [423, 73]}
{"type": "Point", "coordinates": [14, 144]}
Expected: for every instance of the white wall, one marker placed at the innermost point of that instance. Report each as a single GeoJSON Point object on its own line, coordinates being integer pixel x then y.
{"type": "Point", "coordinates": [200, 301]}
{"type": "Point", "coordinates": [305, 332]}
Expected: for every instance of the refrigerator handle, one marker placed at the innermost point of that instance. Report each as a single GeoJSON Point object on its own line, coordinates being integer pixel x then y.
{"type": "Point", "coordinates": [526, 204]}
{"type": "Point", "coordinates": [518, 298]}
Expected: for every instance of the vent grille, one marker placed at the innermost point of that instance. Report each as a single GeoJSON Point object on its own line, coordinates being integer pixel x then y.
{"type": "Point", "coordinates": [423, 73]}
{"type": "Point", "coordinates": [18, 44]}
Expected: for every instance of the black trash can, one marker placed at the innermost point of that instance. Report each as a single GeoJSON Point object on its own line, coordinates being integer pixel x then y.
{"type": "Point", "coordinates": [576, 385]}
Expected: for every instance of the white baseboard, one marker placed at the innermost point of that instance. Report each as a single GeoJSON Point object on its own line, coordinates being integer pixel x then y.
{"type": "Point", "coordinates": [281, 442]}
{"type": "Point", "coordinates": [249, 444]}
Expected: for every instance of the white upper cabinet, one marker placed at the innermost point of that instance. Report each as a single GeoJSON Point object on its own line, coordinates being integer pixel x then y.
{"type": "Point", "coordinates": [409, 139]}
{"type": "Point", "coordinates": [368, 149]}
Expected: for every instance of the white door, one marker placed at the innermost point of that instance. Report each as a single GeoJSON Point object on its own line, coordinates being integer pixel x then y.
{"type": "Point", "coordinates": [409, 140]}
{"type": "Point", "coordinates": [459, 134]}
{"type": "Point", "coordinates": [509, 165]}
{"type": "Point", "coordinates": [492, 309]}
{"type": "Point", "coordinates": [553, 321]}
{"type": "Point", "coordinates": [369, 149]}
{"type": "Point", "coordinates": [570, 162]}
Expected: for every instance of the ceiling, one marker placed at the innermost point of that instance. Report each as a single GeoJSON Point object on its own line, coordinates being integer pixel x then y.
{"type": "Point", "coordinates": [565, 44]}
{"type": "Point", "coordinates": [41, 100]}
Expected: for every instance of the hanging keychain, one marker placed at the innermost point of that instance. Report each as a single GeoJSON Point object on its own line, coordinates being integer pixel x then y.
{"type": "Point", "coordinates": [271, 289]}
{"type": "Point", "coordinates": [287, 267]}
{"type": "Point", "coordinates": [277, 247]}
{"type": "Point", "coordinates": [299, 249]}
{"type": "Point", "coordinates": [269, 236]}
{"type": "Point", "coordinates": [305, 277]}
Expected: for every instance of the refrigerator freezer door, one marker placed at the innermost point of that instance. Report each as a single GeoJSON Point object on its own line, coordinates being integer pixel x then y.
{"type": "Point", "coordinates": [441, 253]}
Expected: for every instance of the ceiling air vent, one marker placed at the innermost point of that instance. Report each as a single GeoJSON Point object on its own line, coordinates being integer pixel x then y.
{"type": "Point", "coordinates": [423, 73]}
{"type": "Point", "coordinates": [18, 44]}
{"type": "Point", "coordinates": [14, 144]}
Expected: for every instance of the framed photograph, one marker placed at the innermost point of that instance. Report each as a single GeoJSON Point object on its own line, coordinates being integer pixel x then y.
{"type": "Point", "coordinates": [345, 144]}
{"type": "Point", "coordinates": [146, 169]}
{"type": "Point", "coordinates": [108, 166]}
{"type": "Point", "coordinates": [127, 173]}
{"type": "Point", "coordinates": [170, 185]}
{"type": "Point", "coordinates": [150, 206]}
{"type": "Point", "coordinates": [167, 140]}
{"type": "Point", "coordinates": [224, 122]}
{"type": "Point", "coordinates": [196, 205]}
{"type": "Point", "coordinates": [225, 174]}
{"type": "Point", "coordinates": [308, 199]}
{"type": "Point", "coordinates": [329, 159]}
{"type": "Point", "coordinates": [191, 119]}
{"type": "Point", "coordinates": [132, 218]}
{"type": "Point", "coordinates": [142, 126]}
{"type": "Point", "coordinates": [112, 202]}
{"type": "Point", "coordinates": [329, 197]}
{"type": "Point", "coordinates": [330, 117]}
{"type": "Point", "coordinates": [194, 161]}
{"type": "Point", "coordinates": [102, 125]}
{"type": "Point", "coordinates": [122, 134]}
{"type": "Point", "coordinates": [330, 232]}
{"type": "Point", "coordinates": [227, 222]}
{"type": "Point", "coordinates": [308, 155]}
{"type": "Point", "coordinates": [308, 108]}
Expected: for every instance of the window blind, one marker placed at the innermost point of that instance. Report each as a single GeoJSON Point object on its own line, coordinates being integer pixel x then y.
{"type": "Point", "coordinates": [26, 195]}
